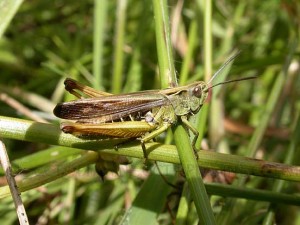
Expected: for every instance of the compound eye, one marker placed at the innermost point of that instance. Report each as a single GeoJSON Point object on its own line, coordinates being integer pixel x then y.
{"type": "Point", "coordinates": [197, 91]}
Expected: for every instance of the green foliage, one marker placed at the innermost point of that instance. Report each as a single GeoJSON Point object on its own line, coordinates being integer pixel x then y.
{"type": "Point", "coordinates": [116, 46]}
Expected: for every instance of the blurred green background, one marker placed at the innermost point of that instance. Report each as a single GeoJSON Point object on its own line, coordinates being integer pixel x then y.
{"type": "Point", "coordinates": [111, 45]}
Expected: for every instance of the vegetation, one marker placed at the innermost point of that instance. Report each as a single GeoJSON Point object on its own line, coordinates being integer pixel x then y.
{"type": "Point", "coordinates": [251, 128]}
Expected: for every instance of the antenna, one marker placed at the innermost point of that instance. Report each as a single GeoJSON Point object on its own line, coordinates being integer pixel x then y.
{"type": "Point", "coordinates": [231, 81]}
{"type": "Point", "coordinates": [223, 66]}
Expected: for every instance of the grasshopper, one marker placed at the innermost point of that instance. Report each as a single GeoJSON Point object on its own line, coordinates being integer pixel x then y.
{"type": "Point", "coordinates": [143, 114]}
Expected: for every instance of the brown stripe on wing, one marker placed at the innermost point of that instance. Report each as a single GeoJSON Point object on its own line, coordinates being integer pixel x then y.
{"type": "Point", "coordinates": [108, 106]}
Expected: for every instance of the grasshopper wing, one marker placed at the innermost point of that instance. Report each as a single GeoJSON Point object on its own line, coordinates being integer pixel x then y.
{"type": "Point", "coordinates": [109, 108]}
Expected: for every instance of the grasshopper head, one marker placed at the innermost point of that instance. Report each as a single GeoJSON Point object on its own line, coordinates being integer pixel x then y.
{"type": "Point", "coordinates": [198, 94]}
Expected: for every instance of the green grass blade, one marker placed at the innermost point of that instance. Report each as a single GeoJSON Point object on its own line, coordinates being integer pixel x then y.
{"type": "Point", "coordinates": [163, 43]}
{"type": "Point", "coordinates": [152, 197]}
{"type": "Point", "coordinates": [193, 176]}
{"type": "Point", "coordinates": [100, 14]}
{"type": "Point", "coordinates": [119, 47]}
{"type": "Point", "coordinates": [7, 11]}
{"type": "Point", "coordinates": [187, 61]}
